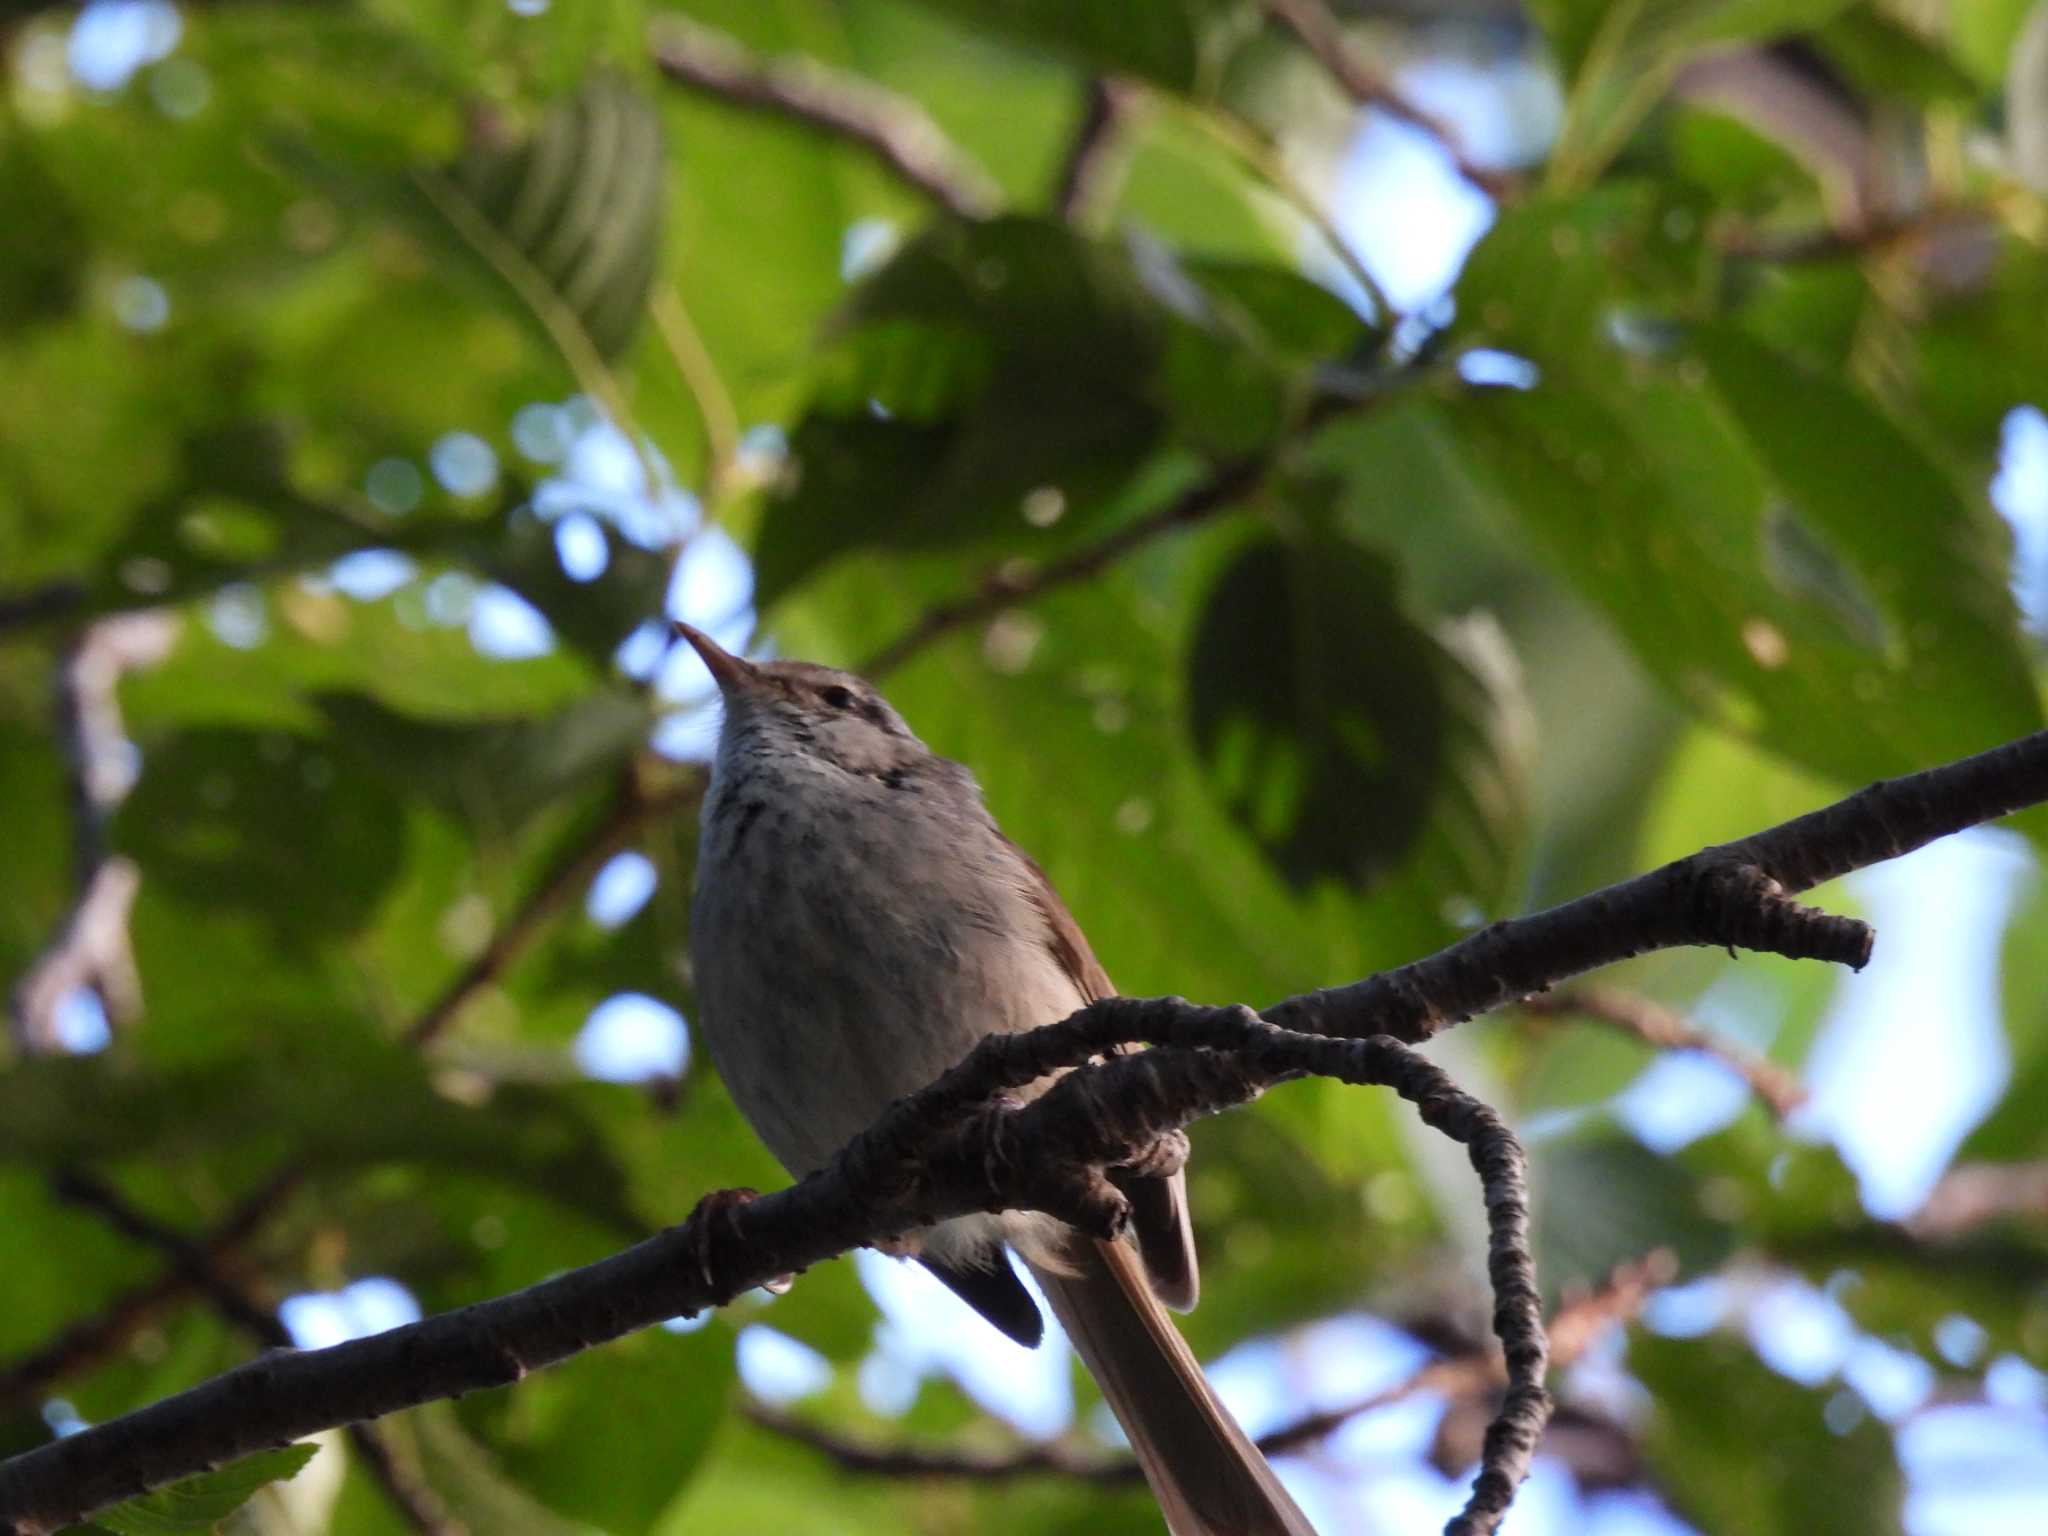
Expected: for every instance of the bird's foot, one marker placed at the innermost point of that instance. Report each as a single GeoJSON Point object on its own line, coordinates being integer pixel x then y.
{"type": "Point", "coordinates": [720, 1206]}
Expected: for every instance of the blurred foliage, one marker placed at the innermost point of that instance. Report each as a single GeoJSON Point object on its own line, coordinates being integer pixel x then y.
{"type": "Point", "coordinates": [411, 358]}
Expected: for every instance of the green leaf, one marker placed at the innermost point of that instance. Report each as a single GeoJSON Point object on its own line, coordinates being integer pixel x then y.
{"type": "Point", "coordinates": [318, 1092]}
{"type": "Point", "coordinates": [674, 1389]}
{"type": "Point", "coordinates": [1719, 502]}
{"type": "Point", "coordinates": [1932, 564]}
{"type": "Point", "coordinates": [574, 207]}
{"type": "Point", "coordinates": [1888, 61]}
{"type": "Point", "coordinates": [199, 1504]}
{"type": "Point", "coordinates": [278, 826]}
{"type": "Point", "coordinates": [1618, 58]}
{"type": "Point", "coordinates": [495, 774]}
{"type": "Point", "coordinates": [1181, 44]}
{"type": "Point", "coordinates": [1338, 731]}
{"type": "Point", "coordinates": [1611, 34]}
{"type": "Point", "coordinates": [1737, 1447]}
{"type": "Point", "coordinates": [1604, 1199]}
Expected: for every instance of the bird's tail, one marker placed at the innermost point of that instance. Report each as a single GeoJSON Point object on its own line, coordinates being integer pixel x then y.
{"type": "Point", "coordinates": [1209, 1478]}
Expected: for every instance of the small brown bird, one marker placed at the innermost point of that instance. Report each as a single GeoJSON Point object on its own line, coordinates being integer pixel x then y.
{"type": "Point", "coordinates": [860, 922]}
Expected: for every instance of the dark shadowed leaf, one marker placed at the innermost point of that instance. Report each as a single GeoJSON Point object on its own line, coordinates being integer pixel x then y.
{"type": "Point", "coordinates": [277, 825]}
{"type": "Point", "coordinates": [1335, 728]}
{"type": "Point", "coordinates": [319, 1092]}
{"type": "Point", "coordinates": [996, 385]}
{"type": "Point", "coordinates": [493, 773]}
{"type": "Point", "coordinates": [1181, 43]}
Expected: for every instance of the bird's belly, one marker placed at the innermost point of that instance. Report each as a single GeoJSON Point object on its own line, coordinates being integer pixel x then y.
{"type": "Point", "coordinates": [841, 976]}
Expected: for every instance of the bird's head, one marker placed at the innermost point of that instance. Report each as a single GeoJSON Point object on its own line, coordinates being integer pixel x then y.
{"type": "Point", "coordinates": [801, 707]}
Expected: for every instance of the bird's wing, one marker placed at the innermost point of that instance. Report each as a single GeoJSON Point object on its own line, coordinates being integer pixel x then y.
{"type": "Point", "coordinates": [1159, 1207]}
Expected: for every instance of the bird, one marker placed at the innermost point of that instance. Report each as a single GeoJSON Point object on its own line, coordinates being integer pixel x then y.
{"type": "Point", "coordinates": [860, 923]}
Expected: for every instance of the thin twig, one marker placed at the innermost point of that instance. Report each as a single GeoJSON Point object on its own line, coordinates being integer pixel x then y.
{"type": "Point", "coordinates": [1004, 586]}
{"type": "Point", "coordinates": [1320, 33]}
{"type": "Point", "coordinates": [1973, 1195]}
{"type": "Point", "coordinates": [1089, 172]}
{"type": "Point", "coordinates": [1658, 1026]}
{"type": "Point", "coordinates": [1472, 1374]}
{"type": "Point", "coordinates": [700, 376]}
{"type": "Point", "coordinates": [892, 129]}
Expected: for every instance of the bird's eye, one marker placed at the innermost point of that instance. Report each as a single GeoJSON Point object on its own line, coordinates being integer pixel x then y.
{"type": "Point", "coordinates": [837, 697]}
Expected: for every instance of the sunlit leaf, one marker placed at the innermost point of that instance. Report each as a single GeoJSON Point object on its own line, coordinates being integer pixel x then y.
{"type": "Point", "coordinates": [198, 1504]}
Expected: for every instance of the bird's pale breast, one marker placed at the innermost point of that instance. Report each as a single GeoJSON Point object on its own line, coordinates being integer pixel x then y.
{"type": "Point", "coordinates": [852, 938]}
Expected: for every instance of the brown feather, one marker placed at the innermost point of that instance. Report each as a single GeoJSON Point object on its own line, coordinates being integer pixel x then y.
{"type": "Point", "coordinates": [1159, 1207]}
{"type": "Point", "coordinates": [1208, 1477]}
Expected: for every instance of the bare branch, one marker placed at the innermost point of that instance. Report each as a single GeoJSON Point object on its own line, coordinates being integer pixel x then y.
{"type": "Point", "coordinates": [1973, 1195]}
{"type": "Point", "coordinates": [1473, 1375]}
{"type": "Point", "coordinates": [1658, 1026]}
{"type": "Point", "coordinates": [960, 1146]}
{"type": "Point", "coordinates": [1320, 33]}
{"type": "Point", "coordinates": [922, 1162]}
{"type": "Point", "coordinates": [893, 129]}
{"type": "Point", "coordinates": [91, 948]}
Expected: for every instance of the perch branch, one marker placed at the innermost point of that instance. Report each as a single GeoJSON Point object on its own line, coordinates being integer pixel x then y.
{"type": "Point", "coordinates": [893, 129]}
{"type": "Point", "coordinates": [925, 1160]}
{"type": "Point", "coordinates": [956, 1147]}
{"type": "Point", "coordinates": [198, 1265]}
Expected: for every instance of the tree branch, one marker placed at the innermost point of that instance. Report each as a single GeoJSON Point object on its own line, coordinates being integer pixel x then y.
{"type": "Point", "coordinates": [1469, 1375]}
{"type": "Point", "coordinates": [199, 1267]}
{"type": "Point", "coordinates": [94, 1339]}
{"type": "Point", "coordinates": [924, 1161]}
{"type": "Point", "coordinates": [1319, 32]}
{"type": "Point", "coordinates": [957, 1146]}
{"type": "Point", "coordinates": [1658, 1026]}
{"type": "Point", "coordinates": [892, 129]}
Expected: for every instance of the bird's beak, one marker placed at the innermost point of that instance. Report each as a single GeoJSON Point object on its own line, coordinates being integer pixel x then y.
{"type": "Point", "coordinates": [731, 673]}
